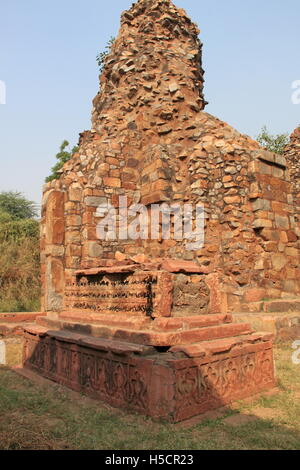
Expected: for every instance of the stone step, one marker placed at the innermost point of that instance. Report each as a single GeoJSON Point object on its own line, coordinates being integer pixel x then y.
{"type": "Point", "coordinates": [282, 305]}
{"type": "Point", "coordinates": [47, 322]}
{"type": "Point", "coordinates": [204, 348]}
{"type": "Point", "coordinates": [11, 329]}
{"type": "Point", "coordinates": [272, 305]}
{"type": "Point", "coordinates": [284, 325]}
{"type": "Point", "coordinates": [288, 296]}
{"type": "Point", "coordinates": [186, 312]}
{"type": "Point", "coordinates": [252, 307]}
{"type": "Point", "coordinates": [19, 317]}
{"type": "Point", "coordinates": [215, 347]}
{"type": "Point", "coordinates": [265, 314]}
{"type": "Point", "coordinates": [121, 320]}
{"type": "Point", "coordinates": [190, 322]}
{"type": "Point", "coordinates": [150, 337]}
{"type": "Point", "coordinates": [36, 329]}
{"type": "Point", "coordinates": [101, 344]}
{"type": "Point", "coordinates": [142, 323]}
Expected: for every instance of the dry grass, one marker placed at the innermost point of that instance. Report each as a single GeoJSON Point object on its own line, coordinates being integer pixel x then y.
{"type": "Point", "coordinates": [47, 416]}
{"type": "Point", "coordinates": [17, 436]}
{"type": "Point", "coordinates": [19, 275]}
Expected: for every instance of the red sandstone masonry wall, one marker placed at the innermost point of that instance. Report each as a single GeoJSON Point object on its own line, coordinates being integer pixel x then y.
{"type": "Point", "coordinates": [152, 141]}
{"type": "Point", "coordinates": [251, 235]}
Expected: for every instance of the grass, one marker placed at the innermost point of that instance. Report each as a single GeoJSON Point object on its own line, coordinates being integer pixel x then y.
{"type": "Point", "coordinates": [48, 416]}
{"type": "Point", "coordinates": [20, 275]}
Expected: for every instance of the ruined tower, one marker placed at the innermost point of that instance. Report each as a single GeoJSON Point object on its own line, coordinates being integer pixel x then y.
{"type": "Point", "coordinates": [146, 323]}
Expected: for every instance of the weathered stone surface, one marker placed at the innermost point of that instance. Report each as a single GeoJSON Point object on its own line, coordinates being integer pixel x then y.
{"type": "Point", "coordinates": [95, 201]}
{"type": "Point", "coordinates": [284, 325]}
{"type": "Point", "coordinates": [153, 386]}
{"type": "Point", "coordinates": [152, 142]}
{"type": "Point", "coordinates": [181, 266]}
{"type": "Point", "coordinates": [254, 295]}
{"type": "Point", "coordinates": [291, 154]}
{"type": "Point", "coordinates": [95, 250]}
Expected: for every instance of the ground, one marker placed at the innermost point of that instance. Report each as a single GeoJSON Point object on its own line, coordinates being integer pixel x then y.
{"type": "Point", "coordinates": [43, 415]}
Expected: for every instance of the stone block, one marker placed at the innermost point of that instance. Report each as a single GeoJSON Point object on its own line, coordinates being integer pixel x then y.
{"type": "Point", "coordinates": [95, 249]}
{"type": "Point", "coordinates": [112, 182]}
{"type": "Point", "coordinates": [261, 204]}
{"type": "Point", "coordinates": [181, 266]}
{"type": "Point", "coordinates": [75, 194]}
{"type": "Point", "coordinates": [95, 201]}
{"type": "Point", "coordinates": [11, 351]}
{"type": "Point", "coordinates": [282, 222]}
{"type": "Point", "coordinates": [254, 295]}
{"type": "Point", "coordinates": [279, 261]}
{"type": "Point", "coordinates": [262, 223]}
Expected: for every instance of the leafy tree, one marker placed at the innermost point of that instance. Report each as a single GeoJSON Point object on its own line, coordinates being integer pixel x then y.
{"type": "Point", "coordinates": [102, 55]}
{"type": "Point", "coordinates": [5, 217]}
{"type": "Point", "coordinates": [274, 143]}
{"type": "Point", "coordinates": [62, 156]}
{"type": "Point", "coordinates": [19, 230]}
{"type": "Point", "coordinates": [17, 217]}
{"type": "Point", "coordinates": [16, 206]}
{"type": "Point", "coordinates": [19, 254]}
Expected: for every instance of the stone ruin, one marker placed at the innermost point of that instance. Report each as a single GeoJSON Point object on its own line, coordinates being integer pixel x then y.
{"type": "Point", "coordinates": [147, 324]}
{"type": "Point", "coordinates": [292, 154]}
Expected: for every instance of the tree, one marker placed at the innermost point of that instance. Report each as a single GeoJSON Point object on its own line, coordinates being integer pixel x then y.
{"type": "Point", "coordinates": [63, 156]}
{"type": "Point", "coordinates": [5, 217]}
{"type": "Point", "coordinates": [102, 55]}
{"type": "Point", "coordinates": [19, 254]}
{"type": "Point", "coordinates": [16, 206]}
{"type": "Point", "coordinates": [17, 217]}
{"type": "Point", "coordinates": [19, 230]}
{"type": "Point", "coordinates": [273, 143]}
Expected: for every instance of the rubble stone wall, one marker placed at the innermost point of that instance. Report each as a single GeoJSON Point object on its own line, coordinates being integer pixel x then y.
{"type": "Point", "coordinates": [292, 154]}
{"type": "Point", "coordinates": [152, 141]}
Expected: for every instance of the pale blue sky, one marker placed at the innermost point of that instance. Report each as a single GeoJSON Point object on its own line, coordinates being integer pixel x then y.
{"type": "Point", "coordinates": [47, 60]}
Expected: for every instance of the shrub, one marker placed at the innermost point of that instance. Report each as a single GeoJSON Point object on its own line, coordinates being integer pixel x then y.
{"type": "Point", "coordinates": [273, 143]}
{"type": "Point", "coordinates": [19, 254]}
{"type": "Point", "coordinates": [63, 156]}
{"type": "Point", "coordinates": [19, 275]}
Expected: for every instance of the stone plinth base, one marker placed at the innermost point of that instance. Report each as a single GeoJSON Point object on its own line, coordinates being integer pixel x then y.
{"type": "Point", "coordinates": [173, 385]}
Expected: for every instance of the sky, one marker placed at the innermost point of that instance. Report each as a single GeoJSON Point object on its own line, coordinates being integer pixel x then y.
{"type": "Point", "coordinates": [48, 64]}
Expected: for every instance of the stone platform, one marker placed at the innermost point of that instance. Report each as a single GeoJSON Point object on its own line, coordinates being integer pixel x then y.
{"type": "Point", "coordinates": [124, 337]}
{"type": "Point", "coordinates": [175, 385]}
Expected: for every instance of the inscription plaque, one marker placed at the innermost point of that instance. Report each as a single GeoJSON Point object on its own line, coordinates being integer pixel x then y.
{"type": "Point", "coordinates": [143, 293]}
